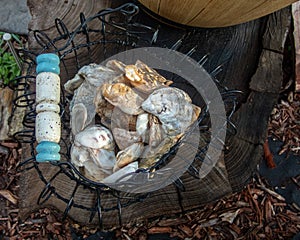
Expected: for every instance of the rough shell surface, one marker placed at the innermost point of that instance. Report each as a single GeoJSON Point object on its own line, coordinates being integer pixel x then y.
{"type": "Point", "coordinates": [156, 133]}
{"type": "Point", "coordinates": [125, 138]}
{"type": "Point", "coordinates": [84, 86]}
{"type": "Point", "coordinates": [144, 78]}
{"type": "Point", "coordinates": [120, 119]}
{"type": "Point", "coordinates": [129, 155]}
{"type": "Point", "coordinates": [116, 65]}
{"type": "Point", "coordinates": [142, 126]}
{"type": "Point", "coordinates": [173, 107]}
{"type": "Point", "coordinates": [122, 96]}
{"type": "Point", "coordinates": [151, 155]}
{"type": "Point", "coordinates": [95, 137]}
{"type": "Point", "coordinates": [122, 174]}
{"type": "Point", "coordinates": [93, 164]}
{"type": "Point", "coordinates": [93, 152]}
{"type": "Point", "coordinates": [78, 117]}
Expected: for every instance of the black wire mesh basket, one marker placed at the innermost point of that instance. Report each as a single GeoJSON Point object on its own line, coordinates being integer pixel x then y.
{"type": "Point", "coordinates": [116, 30]}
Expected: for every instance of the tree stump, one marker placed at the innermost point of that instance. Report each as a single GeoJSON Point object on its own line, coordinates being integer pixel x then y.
{"type": "Point", "coordinates": [251, 55]}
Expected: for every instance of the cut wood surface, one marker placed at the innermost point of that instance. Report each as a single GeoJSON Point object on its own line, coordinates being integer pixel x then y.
{"type": "Point", "coordinates": [214, 13]}
{"type": "Point", "coordinates": [238, 49]}
{"type": "Point", "coordinates": [296, 18]}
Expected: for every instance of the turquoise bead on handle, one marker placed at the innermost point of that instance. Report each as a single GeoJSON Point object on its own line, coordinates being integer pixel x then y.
{"type": "Point", "coordinates": [47, 151]}
{"type": "Point", "coordinates": [48, 123]}
{"type": "Point", "coordinates": [47, 62]}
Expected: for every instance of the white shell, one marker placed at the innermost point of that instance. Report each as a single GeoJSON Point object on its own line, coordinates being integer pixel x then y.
{"type": "Point", "coordinates": [93, 152]}
{"type": "Point", "coordinates": [119, 175]}
{"type": "Point", "coordinates": [48, 127]}
{"type": "Point", "coordinates": [96, 137]}
{"type": "Point", "coordinates": [47, 87]}
{"type": "Point", "coordinates": [93, 165]}
{"type": "Point", "coordinates": [142, 123]}
{"type": "Point", "coordinates": [105, 159]}
{"type": "Point", "coordinates": [173, 107]}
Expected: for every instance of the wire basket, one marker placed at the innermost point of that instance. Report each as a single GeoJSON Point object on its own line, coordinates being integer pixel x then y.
{"type": "Point", "coordinates": [116, 30]}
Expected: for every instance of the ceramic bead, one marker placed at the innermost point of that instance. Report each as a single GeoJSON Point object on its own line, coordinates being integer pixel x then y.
{"type": "Point", "coordinates": [48, 122]}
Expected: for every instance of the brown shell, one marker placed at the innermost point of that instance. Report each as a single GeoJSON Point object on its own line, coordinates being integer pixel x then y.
{"type": "Point", "coordinates": [144, 78]}
{"type": "Point", "coordinates": [197, 111]}
{"type": "Point", "coordinates": [153, 154]}
{"type": "Point", "coordinates": [156, 133]}
{"type": "Point", "coordinates": [150, 72]}
{"type": "Point", "coordinates": [125, 138]}
{"type": "Point", "coordinates": [122, 96]}
{"type": "Point", "coordinates": [129, 155]}
{"type": "Point", "coordinates": [119, 119]}
{"type": "Point", "coordinates": [103, 108]}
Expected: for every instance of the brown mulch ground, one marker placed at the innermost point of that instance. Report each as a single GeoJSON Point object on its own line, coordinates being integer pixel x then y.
{"type": "Point", "coordinates": [285, 123]}
{"type": "Point", "coordinates": [257, 212]}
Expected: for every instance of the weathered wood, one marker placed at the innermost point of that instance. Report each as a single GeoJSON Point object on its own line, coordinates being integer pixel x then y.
{"type": "Point", "coordinates": [215, 13]}
{"type": "Point", "coordinates": [44, 14]}
{"type": "Point", "coordinates": [238, 49]}
{"type": "Point", "coordinates": [6, 96]}
{"type": "Point", "coordinates": [296, 18]}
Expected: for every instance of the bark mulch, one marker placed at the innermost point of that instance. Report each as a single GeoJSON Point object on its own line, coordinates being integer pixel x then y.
{"type": "Point", "coordinates": [257, 212]}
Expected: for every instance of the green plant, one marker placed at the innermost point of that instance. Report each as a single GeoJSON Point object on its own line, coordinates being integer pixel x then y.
{"type": "Point", "coordinates": [9, 69]}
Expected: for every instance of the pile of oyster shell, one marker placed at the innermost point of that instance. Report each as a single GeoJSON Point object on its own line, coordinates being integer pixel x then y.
{"type": "Point", "coordinates": [140, 118]}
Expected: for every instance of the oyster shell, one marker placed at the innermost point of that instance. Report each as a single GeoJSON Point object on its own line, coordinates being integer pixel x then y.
{"type": "Point", "coordinates": [96, 137]}
{"type": "Point", "coordinates": [95, 165]}
{"type": "Point", "coordinates": [129, 155]}
{"type": "Point", "coordinates": [78, 118]}
{"type": "Point", "coordinates": [103, 108]}
{"type": "Point", "coordinates": [156, 133]}
{"type": "Point", "coordinates": [144, 78]}
{"type": "Point", "coordinates": [152, 155]}
{"type": "Point", "coordinates": [120, 119]}
{"type": "Point", "coordinates": [197, 111]}
{"type": "Point", "coordinates": [105, 112]}
{"type": "Point", "coordinates": [116, 65]}
{"type": "Point", "coordinates": [142, 126]}
{"type": "Point", "coordinates": [122, 96]}
{"type": "Point", "coordinates": [93, 152]}
{"type": "Point", "coordinates": [84, 86]}
{"type": "Point", "coordinates": [125, 138]}
{"type": "Point", "coordinates": [120, 175]}
{"type": "Point", "coordinates": [173, 107]}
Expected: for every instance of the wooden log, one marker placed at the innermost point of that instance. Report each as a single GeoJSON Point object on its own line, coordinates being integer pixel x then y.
{"type": "Point", "coordinates": [238, 49]}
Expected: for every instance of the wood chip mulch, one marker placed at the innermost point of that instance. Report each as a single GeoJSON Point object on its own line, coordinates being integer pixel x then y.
{"type": "Point", "coordinates": [257, 212]}
{"type": "Point", "coordinates": [284, 123]}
